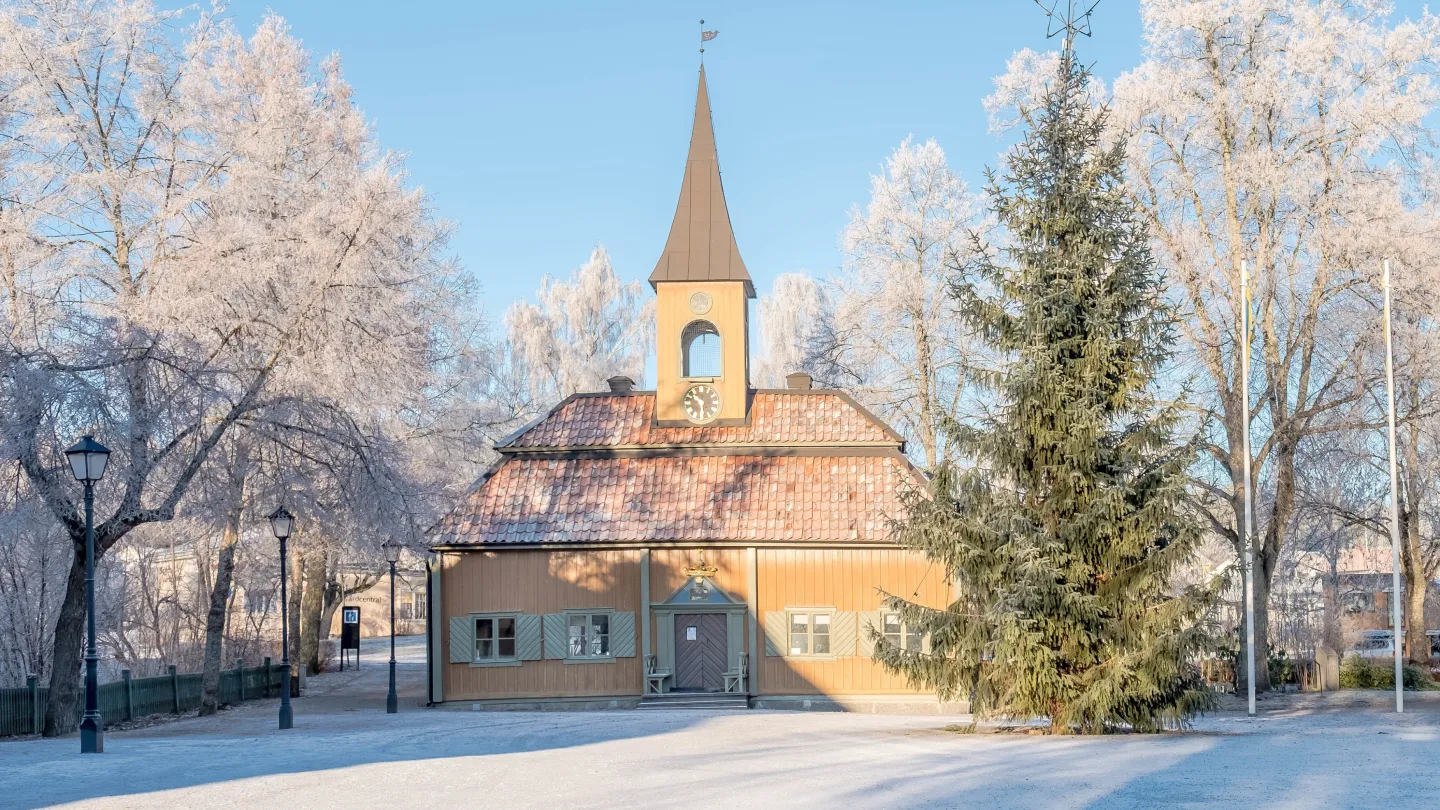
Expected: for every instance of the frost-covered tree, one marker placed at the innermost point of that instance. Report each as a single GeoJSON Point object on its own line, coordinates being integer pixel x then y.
{"type": "Point", "coordinates": [1063, 530]}
{"type": "Point", "coordinates": [794, 322]}
{"type": "Point", "coordinates": [1344, 474]}
{"type": "Point", "coordinates": [580, 333]}
{"type": "Point", "coordinates": [893, 341]}
{"type": "Point", "coordinates": [1295, 135]}
{"type": "Point", "coordinates": [34, 560]}
{"type": "Point", "coordinates": [210, 233]}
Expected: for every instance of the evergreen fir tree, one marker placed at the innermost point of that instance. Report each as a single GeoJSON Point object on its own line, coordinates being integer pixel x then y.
{"type": "Point", "coordinates": [1064, 528]}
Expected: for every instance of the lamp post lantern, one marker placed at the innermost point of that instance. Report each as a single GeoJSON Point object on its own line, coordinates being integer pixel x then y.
{"type": "Point", "coordinates": [392, 556]}
{"type": "Point", "coordinates": [281, 523]}
{"type": "Point", "coordinates": [87, 461]}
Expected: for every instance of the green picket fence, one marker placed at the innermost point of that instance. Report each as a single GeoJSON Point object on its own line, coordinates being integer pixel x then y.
{"type": "Point", "coordinates": [22, 710]}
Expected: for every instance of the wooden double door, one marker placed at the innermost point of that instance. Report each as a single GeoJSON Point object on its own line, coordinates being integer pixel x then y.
{"type": "Point", "coordinates": [701, 649]}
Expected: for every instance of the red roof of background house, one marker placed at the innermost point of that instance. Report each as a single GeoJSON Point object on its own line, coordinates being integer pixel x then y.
{"type": "Point", "coordinates": [811, 466]}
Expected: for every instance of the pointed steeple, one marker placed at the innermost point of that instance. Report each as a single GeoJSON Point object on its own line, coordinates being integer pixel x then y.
{"type": "Point", "coordinates": [701, 246]}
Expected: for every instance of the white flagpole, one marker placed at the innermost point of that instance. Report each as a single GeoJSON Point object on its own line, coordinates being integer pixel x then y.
{"type": "Point", "coordinates": [1394, 504]}
{"type": "Point", "coordinates": [1249, 506]}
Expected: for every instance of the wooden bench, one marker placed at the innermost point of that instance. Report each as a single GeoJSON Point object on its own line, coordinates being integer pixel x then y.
{"type": "Point", "coordinates": [737, 678]}
{"type": "Point", "coordinates": [655, 678]}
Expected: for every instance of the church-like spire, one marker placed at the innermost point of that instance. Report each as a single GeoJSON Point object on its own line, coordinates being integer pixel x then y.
{"type": "Point", "coordinates": [701, 246]}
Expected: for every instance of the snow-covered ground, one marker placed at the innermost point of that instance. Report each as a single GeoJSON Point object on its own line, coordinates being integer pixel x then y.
{"type": "Point", "coordinates": [344, 752]}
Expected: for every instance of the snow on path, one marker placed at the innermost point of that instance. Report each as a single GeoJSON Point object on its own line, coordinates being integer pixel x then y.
{"type": "Point", "coordinates": [355, 756]}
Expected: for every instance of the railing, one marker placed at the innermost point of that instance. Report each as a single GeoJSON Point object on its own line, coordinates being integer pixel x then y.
{"type": "Point", "coordinates": [1304, 675]}
{"type": "Point", "coordinates": [22, 710]}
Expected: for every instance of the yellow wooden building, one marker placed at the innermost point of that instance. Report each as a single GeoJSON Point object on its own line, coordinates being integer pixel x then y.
{"type": "Point", "coordinates": [704, 543]}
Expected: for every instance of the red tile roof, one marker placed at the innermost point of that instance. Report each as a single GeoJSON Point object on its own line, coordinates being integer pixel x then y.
{"type": "Point", "coordinates": [776, 499]}
{"type": "Point", "coordinates": [811, 466]}
{"type": "Point", "coordinates": [811, 417]}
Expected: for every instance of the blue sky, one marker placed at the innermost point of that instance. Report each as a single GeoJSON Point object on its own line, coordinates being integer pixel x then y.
{"type": "Point", "coordinates": [541, 128]}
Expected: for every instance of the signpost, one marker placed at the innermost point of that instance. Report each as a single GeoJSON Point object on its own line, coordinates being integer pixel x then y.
{"type": "Point", "coordinates": [349, 634]}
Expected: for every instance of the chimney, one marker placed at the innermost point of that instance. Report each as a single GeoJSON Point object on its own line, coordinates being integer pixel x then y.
{"type": "Point", "coordinates": [798, 381]}
{"type": "Point", "coordinates": [621, 384]}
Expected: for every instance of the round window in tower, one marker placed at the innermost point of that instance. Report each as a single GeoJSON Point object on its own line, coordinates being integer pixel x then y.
{"type": "Point", "coordinates": [700, 350]}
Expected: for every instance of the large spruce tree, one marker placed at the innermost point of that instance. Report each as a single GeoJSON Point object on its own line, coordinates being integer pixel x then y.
{"type": "Point", "coordinates": [1062, 528]}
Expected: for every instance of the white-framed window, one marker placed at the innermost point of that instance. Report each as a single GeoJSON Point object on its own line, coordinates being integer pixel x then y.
{"type": "Point", "coordinates": [899, 634]}
{"type": "Point", "coordinates": [588, 635]}
{"type": "Point", "coordinates": [809, 632]}
{"type": "Point", "coordinates": [494, 638]}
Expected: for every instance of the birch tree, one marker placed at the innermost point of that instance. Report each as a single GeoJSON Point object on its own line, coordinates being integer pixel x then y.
{"type": "Point", "coordinates": [579, 333]}
{"type": "Point", "coordinates": [794, 329]}
{"type": "Point", "coordinates": [894, 341]}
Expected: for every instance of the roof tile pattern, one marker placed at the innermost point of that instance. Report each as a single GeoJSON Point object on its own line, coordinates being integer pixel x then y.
{"type": "Point", "coordinates": [582, 500]}
{"type": "Point", "coordinates": [775, 418]}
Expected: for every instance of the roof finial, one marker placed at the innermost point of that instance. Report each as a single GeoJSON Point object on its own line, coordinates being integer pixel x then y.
{"type": "Point", "coordinates": [1071, 23]}
{"type": "Point", "coordinates": [705, 36]}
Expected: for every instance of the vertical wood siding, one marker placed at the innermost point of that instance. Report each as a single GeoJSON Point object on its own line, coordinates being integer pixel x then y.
{"type": "Point", "coordinates": [667, 574]}
{"type": "Point", "coordinates": [667, 570]}
{"type": "Point", "coordinates": [845, 580]}
{"type": "Point", "coordinates": [540, 582]}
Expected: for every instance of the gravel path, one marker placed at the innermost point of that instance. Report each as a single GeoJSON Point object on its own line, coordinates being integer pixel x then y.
{"type": "Point", "coordinates": [1340, 751]}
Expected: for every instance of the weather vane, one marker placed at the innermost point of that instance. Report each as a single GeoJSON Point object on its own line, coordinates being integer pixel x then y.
{"type": "Point", "coordinates": [1072, 22]}
{"type": "Point", "coordinates": [705, 36]}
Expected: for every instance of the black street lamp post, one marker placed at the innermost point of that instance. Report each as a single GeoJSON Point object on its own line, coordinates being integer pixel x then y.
{"type": "Point", "coordinates": [281, 522]}
{"type": "Point", "coordinates": [87, 461]}
{"type": "Point", "coordinates": [392, 556]}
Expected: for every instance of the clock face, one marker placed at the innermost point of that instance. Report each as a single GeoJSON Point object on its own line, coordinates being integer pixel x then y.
{"type": "Point", "coordinates": [700, 303]}
{"type": "Point", "coordinates": [701, 404]}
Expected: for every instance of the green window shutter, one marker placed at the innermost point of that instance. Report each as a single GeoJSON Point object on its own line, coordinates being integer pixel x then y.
{"type": "Point", "coordinates": [527, 637]}
{"type": "Point", "coordinates": [622, 635]}
{"type": "Point", "coordinates": [556, 642]}
{"type": "Point", "coordinates": [462, 640]}
{"type": "Point", "coordinates": [843, 635]}
{"type": "Point", "coordinates": [866, 644]}
{"type": "Point", "coordinates": [775, 641]}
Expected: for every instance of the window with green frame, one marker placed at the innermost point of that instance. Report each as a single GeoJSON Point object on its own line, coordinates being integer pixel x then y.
{"type": "Point", "coordinates": [495, 638]}
{"type": "Point", "coordinates": [809, 632]}
{"type": "Point", "coordinates": [899, 634]}
{"type": "Point", "coordinates": [588, 635]}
